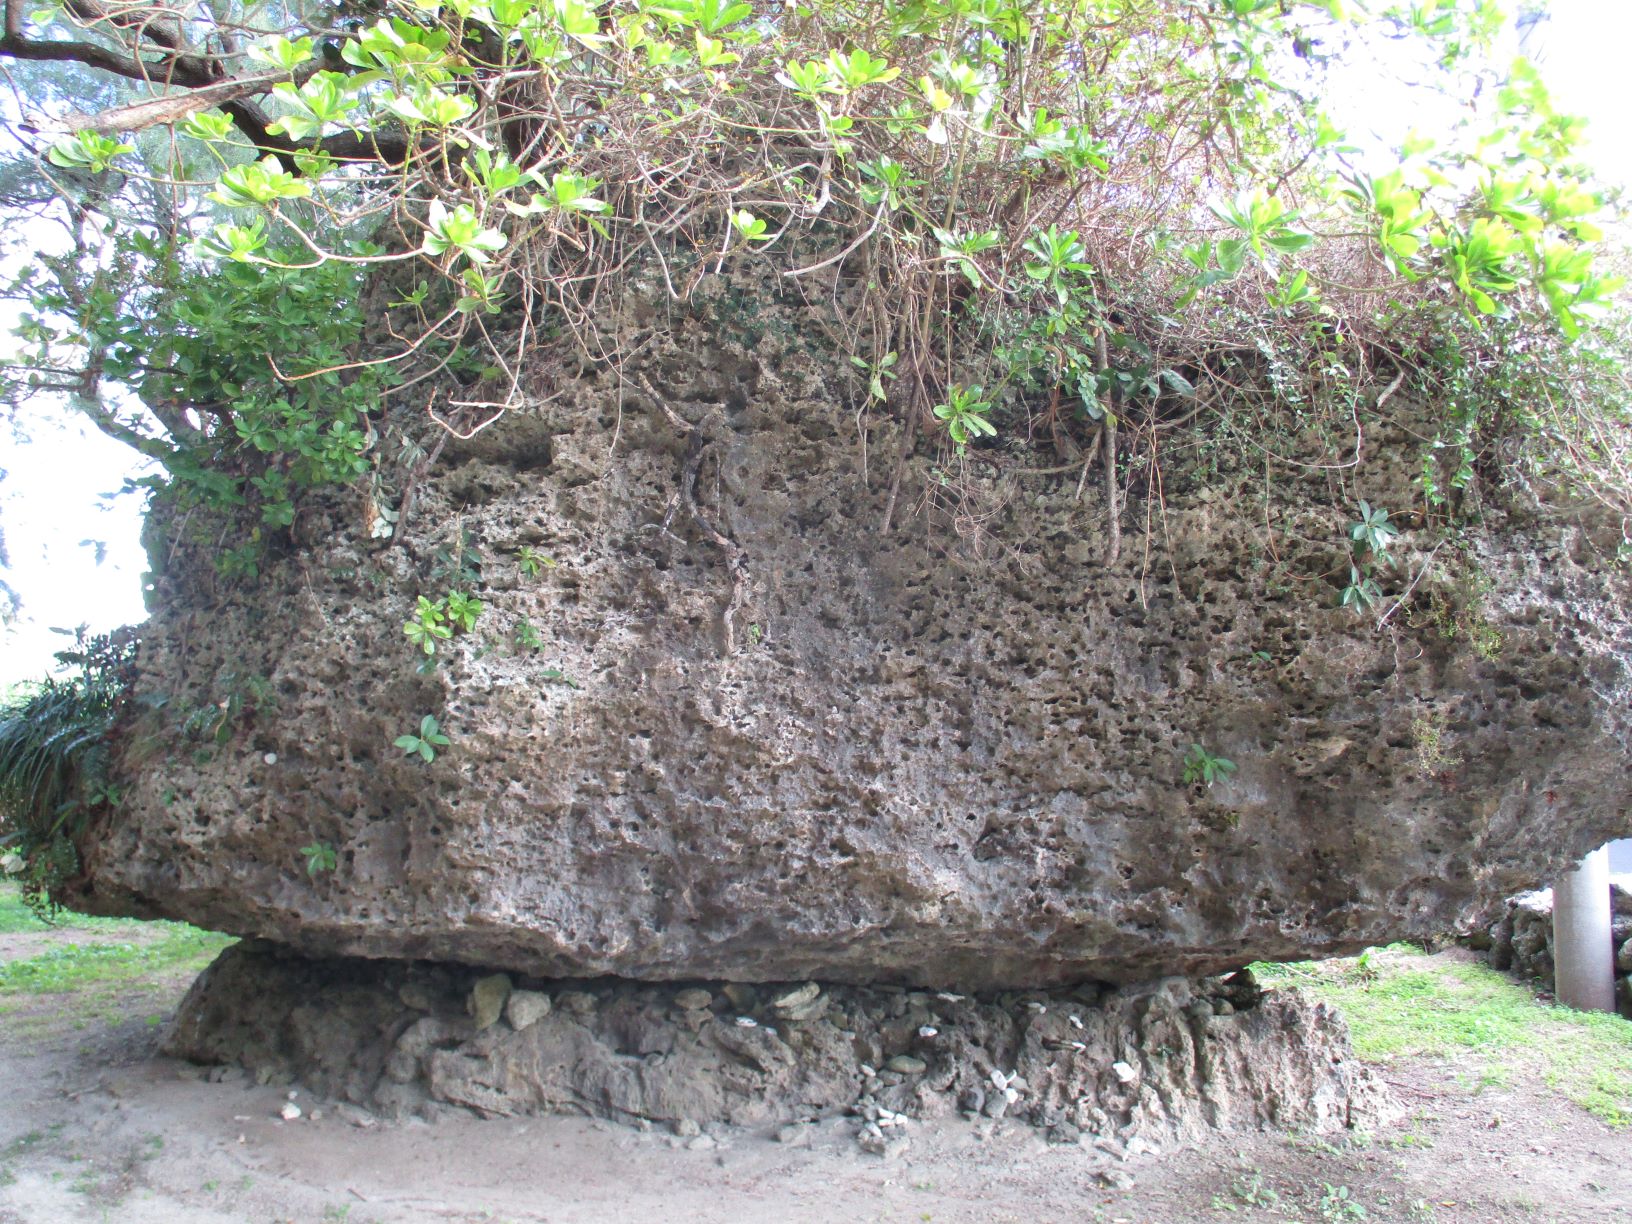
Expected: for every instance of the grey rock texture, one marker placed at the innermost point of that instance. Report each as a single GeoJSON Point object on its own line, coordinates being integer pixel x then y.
{"type": "Point", "coordinates": [800, 744]}
{"type": "Point", "coordinates": [1122, 1070]}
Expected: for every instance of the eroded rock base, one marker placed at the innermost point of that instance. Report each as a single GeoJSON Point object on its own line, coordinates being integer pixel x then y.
{"type": "Point", "coordinates": [1124, 1069]}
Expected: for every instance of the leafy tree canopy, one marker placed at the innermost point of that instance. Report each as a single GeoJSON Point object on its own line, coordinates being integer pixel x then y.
{"type": "Point", "coordinates": [1113, 214]}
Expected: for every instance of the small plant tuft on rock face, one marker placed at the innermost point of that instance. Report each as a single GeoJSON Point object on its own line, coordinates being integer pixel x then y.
{"type": "Point", "coordinates": [429, 625]}
{"type": "Point", "coordinates": [1362, 591]}
{"type": "Point", "coordinates": [531, 562]}
{"type": "Point", "coordinates": [1202, 766]}
{"type": "Point", "coordinates": [528, 636]}
{"type": "Point", "coordinates": [320, 856]}
{"type": "Point", "coordinates": [1372, 531]}
{"type": "Point", "coordinates": [965, 415]}
{"type": "Point", "coordinates": [463, 610]}
{"type": "Point", "coordinates": [429, 739]}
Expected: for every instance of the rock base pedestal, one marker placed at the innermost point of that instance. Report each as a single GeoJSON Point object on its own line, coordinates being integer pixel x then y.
{"type": "Point", "coordinates": [1121, 1069]}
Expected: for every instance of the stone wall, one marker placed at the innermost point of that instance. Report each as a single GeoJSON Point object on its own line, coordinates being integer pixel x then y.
{"type": "Point", "coordinates": [1521, 940]}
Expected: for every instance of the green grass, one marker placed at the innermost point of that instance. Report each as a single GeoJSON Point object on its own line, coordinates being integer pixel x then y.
{"type": "Point", "coordinates": [1402, 1003]}
{"type": "Point", "coordinates": [70, 966]}
{"type": "Point", "coordinates": [16, 917]}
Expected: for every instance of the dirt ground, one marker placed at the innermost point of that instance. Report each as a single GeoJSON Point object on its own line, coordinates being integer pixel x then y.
{"type": "Point", "coordinates": [96, 1126]}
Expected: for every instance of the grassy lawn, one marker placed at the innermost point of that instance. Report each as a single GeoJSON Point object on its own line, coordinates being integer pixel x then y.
{"type": "Point", "coordinates": [69, 965]}
{"type": "Point", "coordinates": [1400, 1002]}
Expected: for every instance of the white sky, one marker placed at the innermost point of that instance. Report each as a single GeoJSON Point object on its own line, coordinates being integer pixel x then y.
{"type": "Point", "coordinates": [52, 498]}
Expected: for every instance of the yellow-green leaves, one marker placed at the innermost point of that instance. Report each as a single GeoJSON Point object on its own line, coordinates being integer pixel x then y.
{"type": "Point", "coordinates": [960, 250]}
{"type": "Point", "coordinates": [90, 151]}
{"type": "Point", "coordinates": [709, 16]}
{"type": "Point", "coordinates": [564, 191]}
{"type": "Point", "coordinates": [431, 106]}
{"type": "Point", "coordinates": [840, 73]}
{"type": "Point", "coordinates": [208, 126]}
{"type": "Point", "coordinates": [239, 243]}
{"type": "Point", "coordinates": [321, 101]}
{"type": "Point", "coordinates": [750, 227]}
{"type": "Point", "coordinates": [965, 412]}
{"type": "Point", "coordinates": [259, 183]}
{"type": "Point", "coordinates": [399, 48]}
{"type": "Point", "coordinates": [462, 231]}
{"type": "Point", "coordinates": [281, 53]}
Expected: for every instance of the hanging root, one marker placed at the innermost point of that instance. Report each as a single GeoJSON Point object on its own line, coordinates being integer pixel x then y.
{"type": "Point", "coordinates": [736, 559]}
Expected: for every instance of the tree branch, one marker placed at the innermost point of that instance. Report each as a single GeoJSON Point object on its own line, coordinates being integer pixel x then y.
{"type": "Point", "coordinates": [201, 77]}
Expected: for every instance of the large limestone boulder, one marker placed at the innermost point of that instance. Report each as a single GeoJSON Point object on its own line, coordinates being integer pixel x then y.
{"type": "Point", "coordinates": [802, 708]}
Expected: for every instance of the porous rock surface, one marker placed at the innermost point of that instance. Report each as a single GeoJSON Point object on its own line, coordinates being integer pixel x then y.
{"type": "Point", "coordinates": [1118, 1070]}
{"type": "Point", "coordinates": [800, 711]}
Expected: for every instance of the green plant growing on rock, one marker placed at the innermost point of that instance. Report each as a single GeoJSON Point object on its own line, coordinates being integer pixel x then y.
{"type": "Point", "coordinates": [429, 624]}
{"type": "Point", "coordinates": [531, 562]}
{"type": "Point", "coordinates": [1372, 532]}
{"type": "Point", "coordinates": [965, 415]}
{"type": "Point", "coordinates": [424, 744]}
{"type": "Point", "coordinates": [1428, 731]}
{"type": "Point", "coordinates": [320, 857]}
{"type": "Point", "coordinates": [1362, 591]}
{"type": "Point", "coordinates": [1369, 536]}
{"type": "Point", "coordinates": [527, 636]}
{"type": "Point", "coordinates": [247, 696]}
{"type": "Point", "coordinates": [459, 564]}
{"type": "Point", "coordinates": [463, 610]}
{"type": "Point", "coordinates": [1202, 766]}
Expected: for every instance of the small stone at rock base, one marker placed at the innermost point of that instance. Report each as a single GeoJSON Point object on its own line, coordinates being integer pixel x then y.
{"type": "Point", "coordinates": [693, 999]}
{"type": "Point", "coordinates": [416, 995]}
{"type": "Point", "coordinates": [686, 1128]}
{"type": "Point", "coordinates": [487, 999]}
{"type": "Point", "coordinates": [815, 1009]}
{"type": "Point", "coordinates": [1113, 1179]}
{"type": "Point", "coordinates": [289, 1112]}
{"type": "Point", "coordinates": [355, 1115]}
{"type": "Point", "coordinates": [795, 1134]}
{"type": "Point", "coordinates": [798, 997]}
{"type": "Point", "coordinates": [702, 1143]}
{"type": "Point", "coordinates": [579, 1003]}
{"type": "Point", "coordinates": [1064, 1132]}
{"type": "Point", "coordinates": [1223, 1007]}
{"type": "Point", "coordinates": [526, 1007]}
{"type": "Point", "coordinates": [892, 1148]}
{"type": "Point", "coordinates": [742, 995]}
{"type": "Point", "coordinates": [906, 1064]}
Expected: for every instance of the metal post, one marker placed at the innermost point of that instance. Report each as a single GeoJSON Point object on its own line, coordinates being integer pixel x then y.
{"type": "Point", "coordinates": [1583, 956]}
